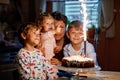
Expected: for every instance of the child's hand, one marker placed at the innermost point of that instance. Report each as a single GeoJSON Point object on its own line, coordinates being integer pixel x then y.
{"type": "Point", "coordinates": [56, 49]}
{"type": "Point", "coordinates": [55, 61]}
{"type": "Point", "coordinates": [84, 56]}
{"type": "Point", "coordinates": [58, 29]}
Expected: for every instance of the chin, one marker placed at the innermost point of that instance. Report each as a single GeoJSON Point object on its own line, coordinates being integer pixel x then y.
{"type": "Point", "coordinates": [36, 43]}
{"type": "Point", "coordinates": [57, 38]}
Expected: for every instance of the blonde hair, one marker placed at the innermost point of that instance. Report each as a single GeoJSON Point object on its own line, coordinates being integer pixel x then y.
{"type": "Point", "coordinates": [75, 24]}
{"type": "Point", "coordinates": [42, 17]}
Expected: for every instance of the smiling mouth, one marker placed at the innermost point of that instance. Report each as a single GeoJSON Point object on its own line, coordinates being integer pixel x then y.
{"type": "Point", "coordinates": [50, 28]}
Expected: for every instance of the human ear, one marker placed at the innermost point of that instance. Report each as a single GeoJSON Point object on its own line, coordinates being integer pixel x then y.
{"type": "Point", "coordinates": [23, 35]}
{"type": "Point", "coordinates": [67, 34]}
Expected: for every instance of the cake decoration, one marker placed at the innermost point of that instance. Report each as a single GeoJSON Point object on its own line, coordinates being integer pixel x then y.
{"type": "Point", "coordinates": [77, 61]}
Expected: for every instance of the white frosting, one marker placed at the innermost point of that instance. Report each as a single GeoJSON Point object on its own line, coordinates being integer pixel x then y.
{"type": "Point", "coordinates": [78, 58]}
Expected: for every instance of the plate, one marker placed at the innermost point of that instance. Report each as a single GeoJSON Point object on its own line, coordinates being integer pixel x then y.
{"type": "Point", "coordinates": [71, 69]}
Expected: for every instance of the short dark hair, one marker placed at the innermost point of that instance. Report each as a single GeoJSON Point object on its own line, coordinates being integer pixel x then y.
{"type": "Point", "coordinates": [59, 16]}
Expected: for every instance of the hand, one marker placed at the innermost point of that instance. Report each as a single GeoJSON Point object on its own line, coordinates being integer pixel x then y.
{"type": "Point", "coordinates": [55, 61]}
{"type": "Point", "coordinates": [84, 56]}
{"type": "Point", "coordinates": [57, 49]}
{"type": "Point", "coordinates": [58, 29]}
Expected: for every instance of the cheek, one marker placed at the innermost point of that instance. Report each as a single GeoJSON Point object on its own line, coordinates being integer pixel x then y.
{"type": "Point", "coordinates": [63, 30]}
{"type": "Point", "coordinates": [62, 34]}
{"type": "Point", "coordinates": [70, 37]}
{"type": "Point", "coordinates": [45, 28]}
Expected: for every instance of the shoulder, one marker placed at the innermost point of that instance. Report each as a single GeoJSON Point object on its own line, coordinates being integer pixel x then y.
{"type": "Point", "coordinates": [89, 44]}
{"type": "Point", "coordinates": [25, 53]}
{"type": "Point", "coordinates": [68, 46]}
{"type": "Point", "coordinates": [90, 47]}
{"type": "Point", "coordinates": [39, 52]}
{"type": "Point", "coordinates": [21, 51]}
{"type": "Point", "coordinates": [22, 54]}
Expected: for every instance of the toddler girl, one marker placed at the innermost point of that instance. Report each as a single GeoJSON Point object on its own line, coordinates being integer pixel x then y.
{"type": "Point", "coordinates": [46, 22]}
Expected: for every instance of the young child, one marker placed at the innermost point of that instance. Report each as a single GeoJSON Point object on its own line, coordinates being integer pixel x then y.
{"type": "Point", "coordinates": [76, 47]}
{"type": "Point", "coordinates": [32, 65]}
{"type": "Point", "coordinates": [46, 22]}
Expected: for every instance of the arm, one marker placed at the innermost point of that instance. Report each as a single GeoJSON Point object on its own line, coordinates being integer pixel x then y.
{"type": "Point", "coordinates": [23, 67]}
{"type": "Point", "coordinates": [55, 61]}
{"type": "Point", "coordinates": [51, 71]}
{"type": "Point", "coordinates": [91, 52]}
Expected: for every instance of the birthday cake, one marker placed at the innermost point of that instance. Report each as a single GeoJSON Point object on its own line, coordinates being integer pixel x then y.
{"type": "Point", "coordinates": [77, 61]}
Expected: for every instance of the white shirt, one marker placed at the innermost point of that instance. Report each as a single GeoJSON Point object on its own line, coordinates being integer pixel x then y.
{"type": "Point", "coordinates": [90, 51]}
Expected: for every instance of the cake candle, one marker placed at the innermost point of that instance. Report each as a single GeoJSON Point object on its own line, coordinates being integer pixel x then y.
{"type": "Point", "coordinates": [84, 48]}
{"type": "Point", "coordinates": [85, 21]}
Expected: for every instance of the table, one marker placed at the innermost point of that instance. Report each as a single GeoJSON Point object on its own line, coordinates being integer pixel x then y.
{"type": "Point", "coordinates": [92, 73]}
{"type": "Point", "coordinates": [73, 70]}
{"type": "Point", "coordinates": [103, 75]}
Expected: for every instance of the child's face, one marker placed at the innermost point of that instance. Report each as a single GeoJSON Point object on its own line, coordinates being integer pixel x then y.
{"type": "Point", "coordinates": [48, 24]}
{"type": "Point", "coordinates": [75, 35]}
{"type": "Point", "coordinates": [33, 37]}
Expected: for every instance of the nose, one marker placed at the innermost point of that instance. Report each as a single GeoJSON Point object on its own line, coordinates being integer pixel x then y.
{"type": "Point", "coordinates": [37, 35]}
{"type": "Point", "coordinates": [77, 34]}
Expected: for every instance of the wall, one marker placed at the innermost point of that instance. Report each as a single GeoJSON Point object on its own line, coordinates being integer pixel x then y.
{"type": "Point", "coordinates": [108, 49]}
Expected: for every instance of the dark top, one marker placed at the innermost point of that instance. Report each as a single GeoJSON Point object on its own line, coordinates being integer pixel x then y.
{"type": "Point", "coordinates": [59, 55]}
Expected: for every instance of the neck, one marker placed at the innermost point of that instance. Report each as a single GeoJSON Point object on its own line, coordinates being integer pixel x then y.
{"type": "Point", "coordinates": [60, 42]}
{"type": "Point", "coordinates": [29, 47]}
{"type": "Point", "coordinates": [76, 46]}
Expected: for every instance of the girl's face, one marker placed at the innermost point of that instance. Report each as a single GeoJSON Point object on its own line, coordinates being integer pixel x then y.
{"type": "Point", "coordinates": [61, 34]}
{"type": "Point", "coordinates": [75, 35]}
{"type": "Point", "coordinates": [32, 37]}
{"type": "Point", "coordinates": [48, 24]}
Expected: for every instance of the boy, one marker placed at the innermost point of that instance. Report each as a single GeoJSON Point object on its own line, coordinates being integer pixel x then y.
{"type": "Point", "coordinates": [76, 46]}
{"type": "Point", "coordinates": [32, 65]}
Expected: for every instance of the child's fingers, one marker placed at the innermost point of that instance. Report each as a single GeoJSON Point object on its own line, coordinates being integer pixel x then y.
{"type": "Point", "coordinates": [58, 28]}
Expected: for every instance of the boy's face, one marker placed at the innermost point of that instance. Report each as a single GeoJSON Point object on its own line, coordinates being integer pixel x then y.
{"type": "Point", "coordinates": [75, 35]}
{"type": "Point", "coordinates": [33, 37]}
{"type": "Point", "coordinates": [48, 24]}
